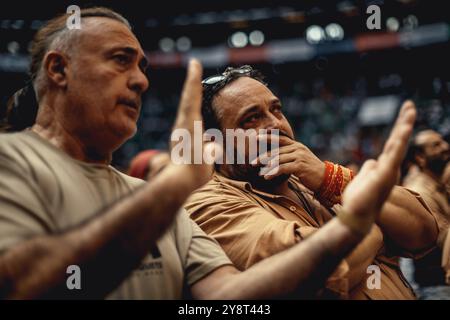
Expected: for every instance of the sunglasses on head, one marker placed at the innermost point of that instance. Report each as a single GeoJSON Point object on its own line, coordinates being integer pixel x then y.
{"type": "Point", "coordinates": [228, 72]}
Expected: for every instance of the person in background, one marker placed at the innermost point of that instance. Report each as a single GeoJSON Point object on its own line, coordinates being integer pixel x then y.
{"type": "Point", "coordinates": [429, 155]}
{"type": "Point", "coordinates": [147, 164]}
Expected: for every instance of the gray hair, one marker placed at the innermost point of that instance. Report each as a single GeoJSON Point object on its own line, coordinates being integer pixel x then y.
{"type": "Point", "coordinates": [56, 36]}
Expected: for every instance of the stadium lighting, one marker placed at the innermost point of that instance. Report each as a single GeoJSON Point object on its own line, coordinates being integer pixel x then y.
{"type": "Point", "coordinates": [183, 44]}
{"type": "Point", "coordinates": [256, 38]}
{"type": "Point", "coordinates": [239, 39]}
{"type": "Point", "coordinates": [392, 24]}
{"type": "Point", "coordinates": [410, 22]}
{"type": "Point", "coordinates": [166, 44]}
{"type": "Point", "coordinates": [315, 34]}
{"type": "Point", "coordinates": [13, 47]}
{"type": "Point", "coordinates": [334, 31]}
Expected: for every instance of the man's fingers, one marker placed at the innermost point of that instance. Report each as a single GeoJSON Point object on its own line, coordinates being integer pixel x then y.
{"type": "Point", "coordinates": [266, 157]}
{"type": "Point", "coordinates": [396, 145]}
{"type": "Point", "coordinates": [280, 138]}
{"type": "Point", "coordinates": [191, 97]}
{"type": "Point", "coordinates": [367, 167]}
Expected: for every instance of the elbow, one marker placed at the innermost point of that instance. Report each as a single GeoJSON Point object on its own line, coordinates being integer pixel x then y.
{"type": "Point", "coordinates": [430, 232]}
{"type": "Point", "coordinates": [222, 284]}
{"type": "Point", "coordinates": [425, 237]}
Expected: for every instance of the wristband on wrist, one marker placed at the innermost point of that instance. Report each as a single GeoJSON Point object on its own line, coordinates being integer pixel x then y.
{"type": "Point", "coordinates": [335, 179]}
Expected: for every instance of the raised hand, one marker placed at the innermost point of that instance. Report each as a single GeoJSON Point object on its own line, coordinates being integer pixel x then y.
{"type": "Point", "coordinates": [292, 157]}
{"type": "Point", "coordinates": [189, 115]}
{"type": "Point", "coordinates": [366, 194]}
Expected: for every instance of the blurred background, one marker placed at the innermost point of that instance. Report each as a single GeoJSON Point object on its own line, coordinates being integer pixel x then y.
{"type": "Point", "coordinates": [340, 83]}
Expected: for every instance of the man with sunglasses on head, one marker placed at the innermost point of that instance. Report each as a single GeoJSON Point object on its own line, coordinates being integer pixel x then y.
{"type": "Point", "coordinates": [288, 196]}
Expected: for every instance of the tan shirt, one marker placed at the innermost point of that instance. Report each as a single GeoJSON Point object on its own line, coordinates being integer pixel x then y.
{"type": "Point", "coordinates": [251, 225]}
{"type": "Point", "coordinates": [436, 197]}
{"type": "Point", "coordinates": [446, 258]}
{"type": "Point", "coordinates": [43, 191]}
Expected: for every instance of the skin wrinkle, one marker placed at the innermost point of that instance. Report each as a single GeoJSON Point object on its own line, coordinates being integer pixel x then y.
{"type": "Point", "coordinates": [100, 79]}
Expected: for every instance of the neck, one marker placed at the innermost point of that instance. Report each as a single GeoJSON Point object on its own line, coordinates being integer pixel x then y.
{"type": "Point", "coordinates": [50, 128]}
{"type": "Point", "coordinates": [433, 175]}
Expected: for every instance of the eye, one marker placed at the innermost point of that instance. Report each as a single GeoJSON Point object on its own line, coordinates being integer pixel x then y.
{"type": "Point", "coordinates": [252, 118]}
{"type": "Point", "coordinates": [276, 109]}
{"type": "Point", "coordinates": [122, 59]}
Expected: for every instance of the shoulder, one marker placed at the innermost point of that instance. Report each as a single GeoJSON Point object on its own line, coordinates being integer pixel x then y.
{"type": "Point", "coordinates": [420, 183]}
{"type": "Point", "coordinates": [16, 149]}
{"type": "Point", "coordinates": [11, 143]}
{"type": "Point", "coordinates": [131, 181]}
{"type": "Point", "coordinates": [217, 190]}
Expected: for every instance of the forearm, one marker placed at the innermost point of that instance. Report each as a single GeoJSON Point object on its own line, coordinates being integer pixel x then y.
{"type": "Point", "coordinates": [407, 222]}
{"type": "Point", "coordinates": [363, 255]}
{"type": "Point", "coordinates": [302, 269]}
{"type": "Point", "coordinates": [106, 248]}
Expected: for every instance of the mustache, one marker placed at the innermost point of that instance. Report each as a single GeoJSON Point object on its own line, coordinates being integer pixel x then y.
{"type": "Point", "coordinates": [281, 133]}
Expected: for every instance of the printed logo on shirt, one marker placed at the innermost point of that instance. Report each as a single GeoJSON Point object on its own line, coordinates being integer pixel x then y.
{"type": "Point", "coordinates": [152, 264]}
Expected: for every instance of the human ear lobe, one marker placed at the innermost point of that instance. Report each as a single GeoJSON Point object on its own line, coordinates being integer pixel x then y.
{"type": "Point", "coordinates": [55, 64]}
{"type": "Point", "coordinates": [420, 160]}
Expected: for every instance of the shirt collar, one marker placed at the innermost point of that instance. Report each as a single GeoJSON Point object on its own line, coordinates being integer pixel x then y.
{"type": "Point", "coordinates": [247, 187]}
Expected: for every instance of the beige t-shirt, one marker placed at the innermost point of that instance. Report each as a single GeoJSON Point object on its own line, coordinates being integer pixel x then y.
{"type": "Point", "coordinates": [43, 191]}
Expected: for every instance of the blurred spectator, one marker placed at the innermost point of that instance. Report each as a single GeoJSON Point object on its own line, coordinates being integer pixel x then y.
{"type": "Point", "coordinates": [148, 164]}
{"type": "Point", "coordinates": [429, 156]}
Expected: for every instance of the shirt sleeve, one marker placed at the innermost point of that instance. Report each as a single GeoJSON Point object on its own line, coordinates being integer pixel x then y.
{"type": "Point", "coordinates": [249, 233]}
{"type": "Point", "coordinates": [200, 253]}
{"type": "Point", "coordinates": [446, 257]}
{"type": "Point", "coordinates": [22, 210]}
{"type": "Point", "coordinates": [392, 249]}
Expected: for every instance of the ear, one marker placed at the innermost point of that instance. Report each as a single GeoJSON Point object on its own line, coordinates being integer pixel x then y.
{"type": "Point", "coordinates": [55, 64]}
{"type": "Point", "coordinates": [420, 160]}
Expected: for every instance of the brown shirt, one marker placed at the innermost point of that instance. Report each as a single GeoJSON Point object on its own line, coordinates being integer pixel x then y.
{"type": "Point", "coordinates": [446, 258]}
{"type": "Point", "coordinates": [436, 196]}
{"type": "Point", "coordinates": [252, 225]}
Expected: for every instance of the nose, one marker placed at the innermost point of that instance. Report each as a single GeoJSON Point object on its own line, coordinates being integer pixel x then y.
{"type": "Point", "coordinates": [445, 146]}
{"type": "Point", "coordinates": [138, 81]}
{"type": "Point", "coordinates": [273, 122]}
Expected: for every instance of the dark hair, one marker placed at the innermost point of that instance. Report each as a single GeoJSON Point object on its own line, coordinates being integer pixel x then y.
{"type": "Point", "coordinates": [209, 112]}
{"type": "Point", "coordinates": [21, 109]}
{"type": "Point", "coordinates": [414, 149]}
